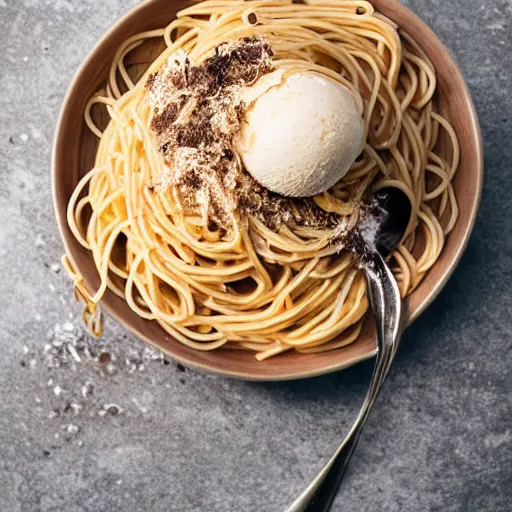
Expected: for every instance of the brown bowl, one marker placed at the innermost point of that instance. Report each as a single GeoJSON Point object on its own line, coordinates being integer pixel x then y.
{"type": "Point", "coordinates": [73, 156]}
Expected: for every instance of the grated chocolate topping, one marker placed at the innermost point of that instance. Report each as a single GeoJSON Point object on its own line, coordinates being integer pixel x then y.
{"type": "Point", "coordinates": [197, 111]}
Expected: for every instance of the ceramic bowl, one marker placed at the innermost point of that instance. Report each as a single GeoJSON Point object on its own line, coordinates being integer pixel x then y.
{"type": "Point", "coordinates": [73, 156]}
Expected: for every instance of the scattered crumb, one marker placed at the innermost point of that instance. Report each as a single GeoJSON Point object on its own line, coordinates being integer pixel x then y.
{"type": "Point", "coordinates": [24, 137]}
{"type": "Point", "coordinates": [73, 407]}
{"type": "Point", "coordinates": [40, 241]}
{"type": "Point", "coordinates": [55, 267]}
{"type": "Point", "coordinates": [87, 389]}
{"type": "Point", "coordinates": [113, 409]}
{"type": "Point", "coordinates": [142, 409]}
{"type": "Point", "coordinates": [71, 430]}
{"type": "Point", "coordinates": [110, 368]}
{"type": "Point", "coordinates": [110, 410]}
{"type": "Point", "coordinates": [54, 413]}
{"type": "Point", "coordinates": [74, 354]}
{"type": "Point", "coordinates": [77, 371]}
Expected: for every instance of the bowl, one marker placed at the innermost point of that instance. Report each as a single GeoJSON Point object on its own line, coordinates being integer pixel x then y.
{"type": "Point", "coordinates": [73, 156]}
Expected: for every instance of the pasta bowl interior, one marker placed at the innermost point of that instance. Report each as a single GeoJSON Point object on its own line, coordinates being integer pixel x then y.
{"type": "Point", "coordinates": [446, 203]}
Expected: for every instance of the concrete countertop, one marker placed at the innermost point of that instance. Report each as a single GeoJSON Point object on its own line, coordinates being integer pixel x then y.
{"type": "Point", "coordinates": [140, 434]}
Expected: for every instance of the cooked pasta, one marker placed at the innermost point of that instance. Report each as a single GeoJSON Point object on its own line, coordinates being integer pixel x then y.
{"type": "Point", "coordinates": [251, 286]}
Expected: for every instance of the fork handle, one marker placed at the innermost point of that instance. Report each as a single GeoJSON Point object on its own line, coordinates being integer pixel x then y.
{"type": "Point", "coordinates": [386, 304]}
{"type": "Point", "coordinates": [326, 493]}
{"type": "Point", "coordinates": [320, 494]}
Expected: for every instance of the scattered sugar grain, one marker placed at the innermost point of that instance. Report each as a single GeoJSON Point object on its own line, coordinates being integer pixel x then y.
{"type": "Point", "coordinates": [40, 241]}
{"type": "Point", "coordinates": [68, 349]}
{"type": "Point", "coordinates": [71, 430]}
{"type": "Point", "coordinates": [87, 389]}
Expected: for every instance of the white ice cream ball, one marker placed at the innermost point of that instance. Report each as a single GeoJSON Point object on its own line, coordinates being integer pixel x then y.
{"type": "Point", "coordinates": [301, 134]}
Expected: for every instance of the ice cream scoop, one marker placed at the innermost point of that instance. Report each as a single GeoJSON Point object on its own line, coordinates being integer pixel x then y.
{"type": "Point", "coordinates": [301, 134]}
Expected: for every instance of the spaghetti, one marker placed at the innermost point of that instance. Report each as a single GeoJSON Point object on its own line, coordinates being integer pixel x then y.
{"type": "Point", "coordinates": [252, 286]}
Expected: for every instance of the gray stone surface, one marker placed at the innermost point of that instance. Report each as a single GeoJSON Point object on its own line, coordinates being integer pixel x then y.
{"type": "Point", "coordinates": [439, 438]}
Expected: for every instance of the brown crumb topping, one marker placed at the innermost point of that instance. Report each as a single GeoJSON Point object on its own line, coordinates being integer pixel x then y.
{"type": "Point", "coordinates": [197, 111]}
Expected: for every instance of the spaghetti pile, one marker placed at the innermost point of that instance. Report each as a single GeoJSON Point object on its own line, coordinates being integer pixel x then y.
{"type": "Point", "coordinates": [250, 284]}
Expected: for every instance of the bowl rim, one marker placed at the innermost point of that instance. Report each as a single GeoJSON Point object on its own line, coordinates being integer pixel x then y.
{"type": "Point", "coordinates": [431, 294]}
